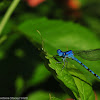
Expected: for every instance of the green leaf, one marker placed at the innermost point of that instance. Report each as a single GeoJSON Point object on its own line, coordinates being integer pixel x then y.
{"type": "Point", "coordinates": [72, 82]}
{"type": "Point", "coordinates": [19, 84]}
{"type": "Point", "coordinates": [39, 95]}
{"type": "Point", "coordinates": [62, 75]}
{"type": "Point", "coordinates": [39, 75]}
{"type": "Point", "coordinates": [60, 35]}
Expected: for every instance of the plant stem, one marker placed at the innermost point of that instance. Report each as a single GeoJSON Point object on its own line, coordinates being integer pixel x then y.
{"type": "Point", "coordinates": [8, 14]}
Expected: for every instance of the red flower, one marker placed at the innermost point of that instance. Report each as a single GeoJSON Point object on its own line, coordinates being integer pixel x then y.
{"type": "Point", "coordinates": [74, 4]}
{"type": "Point", "coordinates": [34, 3]}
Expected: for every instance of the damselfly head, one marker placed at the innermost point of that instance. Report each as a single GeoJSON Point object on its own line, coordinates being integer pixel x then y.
{"type": "Point", "coordinates": [60, 53]}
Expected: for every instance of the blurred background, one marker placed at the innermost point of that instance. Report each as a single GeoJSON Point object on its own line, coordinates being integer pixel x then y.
{"type": "Point", "coordinates": [22, 70]}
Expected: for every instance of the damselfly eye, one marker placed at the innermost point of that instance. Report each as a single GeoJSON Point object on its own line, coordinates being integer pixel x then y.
{"type": "Point", "coordinates": [58, 51]}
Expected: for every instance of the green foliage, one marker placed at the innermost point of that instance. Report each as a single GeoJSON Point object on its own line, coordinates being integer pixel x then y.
{"type": "Point", "coordinates": [3, 5]}
{"type": "Point", "coordinates": [21, 65]}
{"type": "Point", "coordinates": [19, 84]}
{"type": "Point", "coordinates": [39, 95]}
{"type": "Point", "coordinates": [77, 86]}
{"type": "Point", "coordinates": [93, 24]}
{"type": "Point", "coordinates": [39, 75]}
{"type": "Point", "coordinates": [58, 34]}
{"type": "Point", "coordinates": [6, 43]}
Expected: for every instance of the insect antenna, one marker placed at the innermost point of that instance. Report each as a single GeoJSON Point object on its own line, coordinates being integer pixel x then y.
{"type": "Point", "coordinates": [41, 40]}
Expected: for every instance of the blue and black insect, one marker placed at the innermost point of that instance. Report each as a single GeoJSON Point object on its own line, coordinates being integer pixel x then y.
{"type": "Point", "coordinates": [88, 55]}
